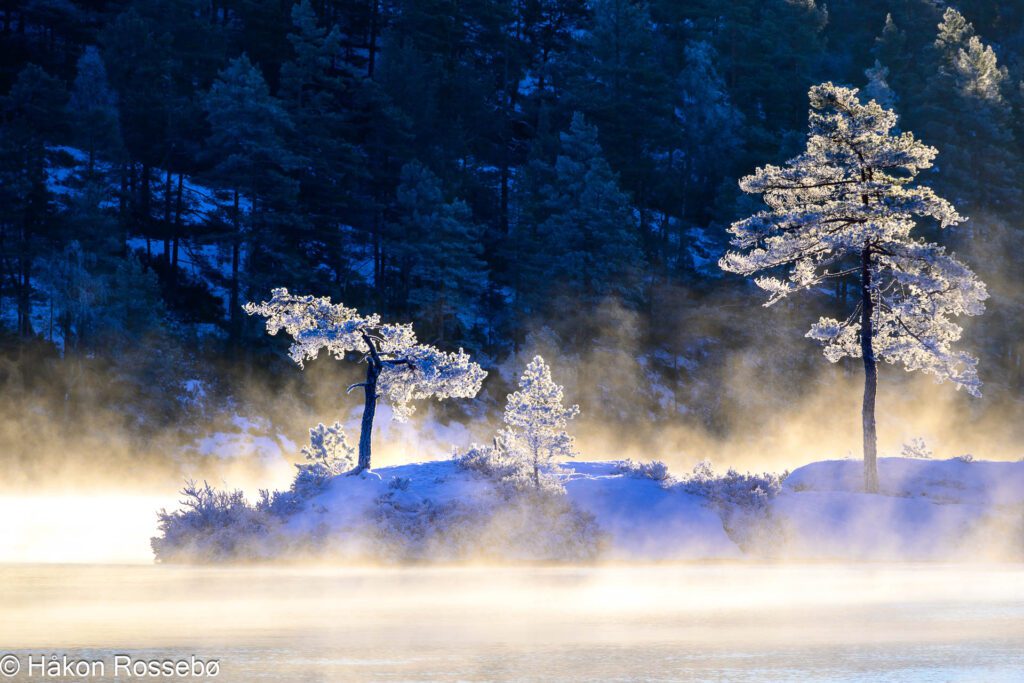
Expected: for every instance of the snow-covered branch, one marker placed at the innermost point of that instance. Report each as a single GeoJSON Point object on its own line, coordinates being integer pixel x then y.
{"type": "Point", "coordinates": [853, 194]}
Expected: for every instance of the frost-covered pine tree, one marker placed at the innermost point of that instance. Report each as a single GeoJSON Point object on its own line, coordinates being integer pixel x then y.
{"type": "Point", "coordinates": [847, 207]}
{"type": "Point", "coordinates": [967, 113]}
{"type": "Point", "coordinates": [535, 420]}
{"type": "Point", "coordinates": [878, 88]}
{"type": "Point", "coordinates": [398, 367]}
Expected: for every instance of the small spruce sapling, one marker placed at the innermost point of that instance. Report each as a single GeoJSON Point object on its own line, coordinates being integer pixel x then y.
{"type": "Point", "coordinates": [328, 454]}
{"type": "Point", "coordinates": [535, 420]}
{"type": "Point", "coordinates": [398, 367]}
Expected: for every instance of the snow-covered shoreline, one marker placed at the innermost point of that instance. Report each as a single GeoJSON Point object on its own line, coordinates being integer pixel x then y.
{"type": "Point", "coordinates": [948, 510]}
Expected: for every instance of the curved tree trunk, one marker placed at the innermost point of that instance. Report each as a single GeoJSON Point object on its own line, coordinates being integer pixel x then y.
{"type": "Point", "coordinates": [369, 408]}
{"type": "Point", "coordinates": [374, 365]}
{"type": "Point", "coordinates": [870, 375]}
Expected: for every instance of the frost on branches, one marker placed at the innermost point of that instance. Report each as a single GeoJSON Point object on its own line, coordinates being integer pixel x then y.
{"type": "Point", "coordinates": [327, 455]}
{"type": "Point", "coordinates": [535, 420]}
{"type": "Point", "coordinates": [846, 208]}
{"type": "Point", "coordinates": [398, 367]}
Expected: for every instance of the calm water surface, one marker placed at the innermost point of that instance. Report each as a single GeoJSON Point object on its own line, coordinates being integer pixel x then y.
{"type": "Point", "coordinates": [667, 623]}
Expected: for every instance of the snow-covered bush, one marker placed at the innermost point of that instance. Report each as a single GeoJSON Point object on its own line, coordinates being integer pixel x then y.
{"type": "Point", "coordinates": [541, 525]}
{"type": "Point", "coordinates": [916, 448]}
{"type": "Point", "coordinates": [218, 525]}
{"type": "Point", "coordinates": [535, 422]}
{"type": "Point", "coordinates": [399, 483]}
{"type": "Point", "coordinates": [403, 530]}
{"type": "Point", "coordinates": [508, 469]}
{"type": "Point", "coordinates": [743, 501]}
{"type": "Point", "coordinates": [510, 472]}
{"type": "Point", "coordinates": [327, 455]}
{"type": "Point", "coordinates": [655, 470]}
{"type": "Point", "coordinates": [512, 520]}
{"type": "Point", "coordinates": [749, 491]}
{"type": "Point", "coordinates": [212, 526]}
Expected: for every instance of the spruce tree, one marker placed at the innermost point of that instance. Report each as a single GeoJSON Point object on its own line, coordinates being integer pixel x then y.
{"type": "Point", "coordinates": [536, 420]}
{"type": "Point", "coordinates": [878, 88]}
{"type": "Point", "coordinates": [251, 161]}
{"type": "Point", "coordinates": [586, 244]}
{"type": "Point", "coordinates": [968, 118]}
{"type": "Point", "coordinates": [709, 132]}
{"type": "Point", "coordinates": [326, 99]}
{"type": "Point", "coordinates": [619, 81]}
{"type": "Point", "coordinates": [439, 247]}
{"type": "Point", "coordinates": [138, 57]}
{"type": "Point", "coordinates": [93, 109]}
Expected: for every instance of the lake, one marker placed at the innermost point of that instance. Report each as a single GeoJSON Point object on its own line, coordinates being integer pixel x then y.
{"type": "Point", "coordinates": [696, 622]}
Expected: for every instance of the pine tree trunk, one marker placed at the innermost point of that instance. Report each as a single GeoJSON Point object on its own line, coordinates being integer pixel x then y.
{"type": "Point", "coordinates": [178, 208]}
{"type": "Point", "coordinates": [870, 376]}
{"type": "Point", "coordinates": [167, 218]}
{"type": "Point", "coordinates": [369, 408]}
{"type": "Point", "coordinates": [536, 467]}
{"type": "Point", "coordinates": [123, 208]}
{"type": "Point", "coordinates": [236, 248]}
{"type": "Point", "coordinates": [144, 200]}
{"type": "Point", "coordinates": [378, 261]}
{"type": "Point", "coordinates": [25, 295]}
{"type": "Point", "coordinates": [25, 277]}
{"type": "Point", "coordinates": [371, 62]}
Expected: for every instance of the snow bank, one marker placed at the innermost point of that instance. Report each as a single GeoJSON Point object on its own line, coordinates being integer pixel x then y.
{"type": "Point", "coordinates": [644, 519]}
{"type": "Point", "coordinates": [982, 482]}
{"type": "Point", "coordinates": [636, 518]}
{"type": "Point", "coordinates": [342, 509]}
{"type": "Point", "coordinates": [444, 511]}
{"type": "Point", "coordinates": [925, 509]}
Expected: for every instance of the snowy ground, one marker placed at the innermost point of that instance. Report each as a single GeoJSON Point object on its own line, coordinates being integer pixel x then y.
{"type": "Point", "coordinates": [638, 517]}
{"type": "Point", "coordinates": [645, 519]}
{"type": "Point", "coordinates": [927, 510]}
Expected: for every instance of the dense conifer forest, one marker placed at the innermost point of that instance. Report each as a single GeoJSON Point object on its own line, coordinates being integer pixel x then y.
{"type": "Point", "coordinates": [514, 176]}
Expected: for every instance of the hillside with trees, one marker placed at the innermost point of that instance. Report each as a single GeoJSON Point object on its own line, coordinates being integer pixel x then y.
{"type": "Point", "coordinates": [514, 178]}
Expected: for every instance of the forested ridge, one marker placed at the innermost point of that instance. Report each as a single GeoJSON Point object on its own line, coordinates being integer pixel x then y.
{"type": "Point", "coordinates": [510, 176]}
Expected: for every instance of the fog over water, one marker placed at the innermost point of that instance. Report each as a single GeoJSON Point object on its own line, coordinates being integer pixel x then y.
{"type": "Point", "coordinates": [730, 622]}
